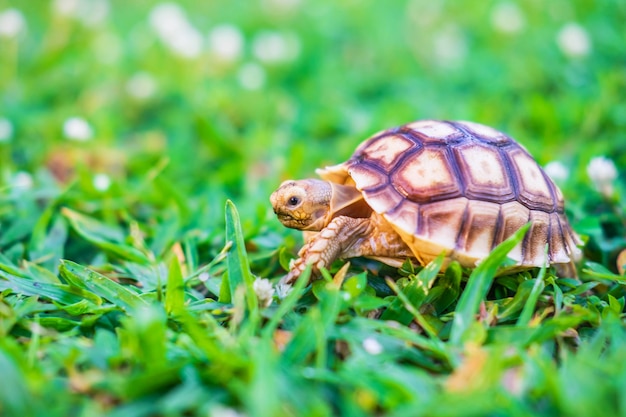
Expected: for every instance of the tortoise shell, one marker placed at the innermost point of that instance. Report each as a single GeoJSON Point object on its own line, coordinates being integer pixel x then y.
{"type": "Point", "coordinates": [460, 187]}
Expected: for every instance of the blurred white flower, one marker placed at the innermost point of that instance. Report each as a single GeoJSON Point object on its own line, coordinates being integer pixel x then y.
{"type": "Point", "coordinates": [273, 47]}
{"type": "Point", "coordinates": [602, 172]}
{"type": "Point", "coordinates": [89, 12]}
{"type": "Point", "coordinates": [226, 42]}
{"type": "Point", "coordinates": [573, 40]}
{"type": "Point", "coordinates": [450, 46]}
{"type": "Point", "coordinates": [78, 129]}
{"type": "Point", "coordinates": [101, 182]}
{"type": "Point", "coordinates": [187, 43]}
{"type": "Point", "coordinates": [507, 17]}
{"type": "Point", "coordinates": [557, 171]}
{"type": "Point", "coordinates": [372, 346]}
{"type": "Point", "coordinates": [283, 290]}
{"type": "Point", "coordinates": [6, 130]}
{"type": "Point", "coordinates": [11, 23]}
{"type": "Point", "coordinates": [222, 411]}
{"type": "Point", "coordinates": [175, 31]}
{"type": "Point", "coordinates": [141, 86]}
{"type": "Point", "coordinates": [23, 180]}
{"type": "Point", "coordinates": [167, 18]}
{"type": "Point", "coordinates": [204, 276]}
{"type": "Point", "coordinates": [264, 291]}
{"type": "Point", "coordinates": [93, 12]}
{"type": "Point", "coordinates": [251, 76]}
{"type": "Point", "coordinates": [67, 8]}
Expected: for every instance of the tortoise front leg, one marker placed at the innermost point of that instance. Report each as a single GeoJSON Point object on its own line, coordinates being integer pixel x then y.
{"type": "Point", "coordinates": [327, 245]}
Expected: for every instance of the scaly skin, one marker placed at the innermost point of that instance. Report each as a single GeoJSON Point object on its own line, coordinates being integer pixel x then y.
{"type": "Point", "coordinates": [326, 246]}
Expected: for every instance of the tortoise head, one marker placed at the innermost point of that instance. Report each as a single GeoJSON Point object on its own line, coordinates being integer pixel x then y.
{"type": "Point", "coordinates": [311, 204]}
{"type": "Point", "coordinates": [303, 204]}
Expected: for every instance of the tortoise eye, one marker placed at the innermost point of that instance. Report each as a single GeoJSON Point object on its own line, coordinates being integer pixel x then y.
{"type": "Point", "coordinates": [293, 201]}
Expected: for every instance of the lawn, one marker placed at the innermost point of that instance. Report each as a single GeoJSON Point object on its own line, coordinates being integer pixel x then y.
{"type": "Point", "coordinates": [140, 257]}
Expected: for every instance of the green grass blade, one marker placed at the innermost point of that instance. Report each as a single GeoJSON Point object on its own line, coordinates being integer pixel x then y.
{"type": "Point", "coordinates": [101, 285]}
{"type": "Point", "coordinates": [531, 302]}
{"type": "Point", "coordinates": [411, 297]}
{"type": "Point", "coordinates": [15, 400]}
{"type": "Point", "coordinates": [103, 237]}
{"type": "Point", "coordinates": [311, 334]}
{"type": "Point", "coordinates": [478, 285]}
{"type": "Point", "coordinates": [175, 289]}
{"type": "Point", "coordinates": [237, 261]}
{"type": "Point", "coordinates": [60, 293]}
{"type": "Point", "coordinates": [419, 318]}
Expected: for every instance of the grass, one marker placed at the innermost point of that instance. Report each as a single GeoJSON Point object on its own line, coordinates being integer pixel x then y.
{"type": "Point", "coordinates": [130, 261]}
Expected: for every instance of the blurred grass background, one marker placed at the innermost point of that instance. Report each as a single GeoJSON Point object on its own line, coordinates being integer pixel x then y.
{"type": "Point", "coordinates": [148, 115]}
{"type": "Point", "coordinates": [240, 95]}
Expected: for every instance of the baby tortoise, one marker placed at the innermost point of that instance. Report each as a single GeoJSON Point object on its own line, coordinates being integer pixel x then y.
{"type": "Point", "coordinates": [425, 188]}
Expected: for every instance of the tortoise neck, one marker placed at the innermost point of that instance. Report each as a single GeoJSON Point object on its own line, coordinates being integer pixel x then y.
{"type": "Point", "coordinates": [346, 200]}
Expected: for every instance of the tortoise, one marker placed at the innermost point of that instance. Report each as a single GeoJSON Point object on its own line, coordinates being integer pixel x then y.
{"type": "Point", "coordinates": [424, 188]}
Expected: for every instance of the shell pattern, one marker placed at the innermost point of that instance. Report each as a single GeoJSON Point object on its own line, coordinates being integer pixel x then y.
{"type": "Point", "coordinates": [461, 187]}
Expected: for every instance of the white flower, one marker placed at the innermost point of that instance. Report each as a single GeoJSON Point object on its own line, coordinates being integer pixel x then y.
{"type": "Point", "coordinates": [226, 42]}
{"type": "Point", "coordinates": [450, 46]}
{"type": "Point", "coordinates": [101, 182]}
{"type": "Point", "coordinates": [557, 171]}
{"type": "Point", "coordinates": [76, 128]}
{"type": "Point", "coordinates": [372, 346]}
{"type": "Point", "coordinates": [283, 290]}
{"type": "Point", "coordinates": [264, 291]}
{"type": "Point", "coordinates": [573, 40]}
{"type": "Point", "coordinates": [274, 47]}
{"type": "Point", "coordinates": [11, 23]}
{"type": "Point", "coordinates": [507, 17]}
{"type": "Point", "coordinates": [141, 86]}
{"type": "Point", "coordinates": [23, 180]}
{"type": "Point", "coordinates": [171, 24]}
{"type": "Point", "coordinates": [6, 130]}
{"type": "Point", "coordinates": [251, 76]}
{"type": "Point", "coordinates": [602, 172]}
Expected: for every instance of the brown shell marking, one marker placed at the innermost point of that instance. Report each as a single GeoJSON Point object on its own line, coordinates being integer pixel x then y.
{"type": "Point", "coordinates": [461, 187]}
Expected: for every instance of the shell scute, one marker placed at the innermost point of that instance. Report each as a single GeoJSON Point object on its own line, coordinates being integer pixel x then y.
{"type": "Point", "coordinates": [512, 217]}
{"type": "Point", "coordinates": [383, 199]}
{"type": "Point", "coordinates": [427, 177]}
{"type": "Point", "coordinates": [533, 188]}
{"type": "Point", "coordinates": [368, 177]}
{"type": "Point", "coordinates": [441, 221]}
{"type": "Point", "coordinates": [484, 133]}
{"type": "Point", "coordinates": [432, 131]}
{"type": "Point", "coordinates": [479, 228]}
{"type": "Point", "coordinates": [484, 173]}
{"type": "Point", "coordinates": [536, 238]}
{"type": "Point", "coordinates": [405, 217]}
{"type": "Point", "coordinates": [384, 151]}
